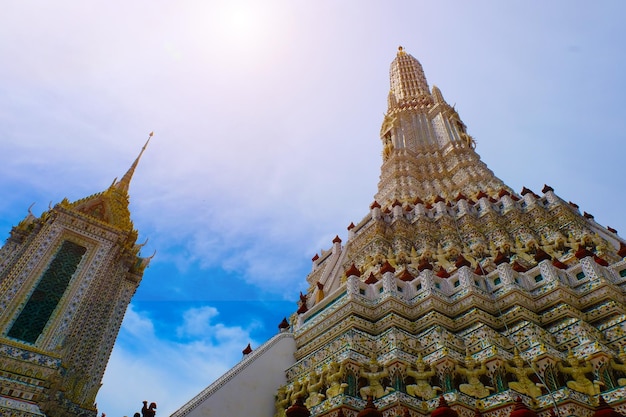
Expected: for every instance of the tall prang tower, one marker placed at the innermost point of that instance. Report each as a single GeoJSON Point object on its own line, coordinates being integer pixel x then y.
{"type": "Point", "coordinates": [454, 286]}
{"type": "Point", "coordinates": [66, 279]}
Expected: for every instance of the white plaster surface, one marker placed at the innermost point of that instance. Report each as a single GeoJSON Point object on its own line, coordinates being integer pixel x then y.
{"type": "Point", "coordinates": [248, 389]}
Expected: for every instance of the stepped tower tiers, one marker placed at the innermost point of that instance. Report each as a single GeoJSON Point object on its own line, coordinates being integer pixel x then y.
{"type": "Point", "coordinates": [66, 279]}
{"type": "Point", "coordinates": [452, 285]}
{"type": "Point", "coordinates": [455, 285]}
{"type": "Point", "coordinates": [427, 151]}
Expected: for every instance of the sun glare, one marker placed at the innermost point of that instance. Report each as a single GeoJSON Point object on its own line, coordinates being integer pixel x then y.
{"type": "Point", "coordinates": [224, 29]}
{"type": "Point", "coordinates": [240, 19]}
{"type": "Point", "coordinates": [245, 23]}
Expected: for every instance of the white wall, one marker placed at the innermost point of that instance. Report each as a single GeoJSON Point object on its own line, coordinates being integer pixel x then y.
{"type": "Point", "coordinates": [248, 389]}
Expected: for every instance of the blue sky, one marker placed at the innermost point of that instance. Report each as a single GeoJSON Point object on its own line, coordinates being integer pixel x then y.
{"type": "Point", "coordinates": [266, 118]}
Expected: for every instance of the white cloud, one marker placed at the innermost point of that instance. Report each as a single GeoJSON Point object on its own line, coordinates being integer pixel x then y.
{"type": "Point", "coordinates": [138, 326]}
{"type": "Point", "coordinates": [146, 366]}
{"type": "Point", "coordinates": [197, 323]}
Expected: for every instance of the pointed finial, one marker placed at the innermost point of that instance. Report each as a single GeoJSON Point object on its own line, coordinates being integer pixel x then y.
{"type": "Point", "coordinates": [298, 409]}
{"type": "Point", "coordinates": [284, 325]}
{"type": "Point", "coordinates": [30, 213]}
{"type": "Point", "coordinates": [605, 410]}
{"type": "Point", "coordinates": [370, 409]}
{"type": "Point", "coordinates": [443, 410]}
{"type": "Point", "coordinates": [521, 410]}
{"type": "Point", "coordinates": [124, 183]}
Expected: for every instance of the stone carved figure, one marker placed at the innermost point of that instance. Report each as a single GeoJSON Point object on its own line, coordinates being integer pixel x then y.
{"type": "Point", "coordinates": [48, 403]}
{"type": "Point", "coordinates": [474, 387]}
{"type": "Point", "coordinates": [148, 411]}
{"type": "Point", "coordinates": [298, 391]}
{"type": "Point", "coordinates": [374, 377]}
{"type": "Point", "coordinates": [580, 382]}
{"type": "Point", "coordinates": [422, 387]}
{"type": "Point", "coordinates": [387, 147]}
{"type": "Point", "coordinates": [440, 257]}
{"type": "Point", "coordinates": [334, 379]}
{"type": "Point", "coordinates": [315, 384]}
{"type": "Point", "coordinates": [620, 367]}
{"type": "Point", "coordinates": [523, 384]}
{"type": "Point", "coordinates": [282, 402]}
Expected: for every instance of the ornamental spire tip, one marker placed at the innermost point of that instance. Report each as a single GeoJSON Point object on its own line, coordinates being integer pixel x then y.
{"type": "Point", "coordinates": [124, 183]}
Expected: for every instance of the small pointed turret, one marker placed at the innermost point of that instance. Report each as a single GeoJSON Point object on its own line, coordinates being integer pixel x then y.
{"type": "Point", "coordinates": [605, 410]}
{"type": "Point", "coordinates": [438, 96]}
{"type": "Point", "coordinates": [370, 409]}
{"type": "Point", "coordinates": [521, 409]}
{"type": "Point", "coordinates": [443, 410]}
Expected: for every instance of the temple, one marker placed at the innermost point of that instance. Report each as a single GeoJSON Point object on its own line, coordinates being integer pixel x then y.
{"type": "Point", "coordinates": [66, 279]}
{"type": "Point", "coordinates": [453, 293]}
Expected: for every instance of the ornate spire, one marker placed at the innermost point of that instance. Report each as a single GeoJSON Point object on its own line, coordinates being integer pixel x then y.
{"type": "Point", "coordinates": [427, 151]}
{"type": "Point", "coordinates": [408, 82]}
{"type": "Point", "coordinates": [111, 205]}
{"type": "Point", "coordinates": [124, 183]}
